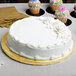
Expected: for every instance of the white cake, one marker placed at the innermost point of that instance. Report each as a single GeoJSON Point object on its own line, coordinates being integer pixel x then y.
{"type": "Point", "coordinates": [40, 38]}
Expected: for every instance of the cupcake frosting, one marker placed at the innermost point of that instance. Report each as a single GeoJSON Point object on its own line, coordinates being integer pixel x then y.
{"type": "Point", "coordinates": [62, 12]}
{"type": "Point", "coordinates": [56, 2]}
{"type": "Point", "coordinates": [75, 6]}
{"type": "Point", "coordinates": [34, 3]}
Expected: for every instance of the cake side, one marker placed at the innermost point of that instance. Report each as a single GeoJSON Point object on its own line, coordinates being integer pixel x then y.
{"type": "Point", "coordinates": [38, 53]}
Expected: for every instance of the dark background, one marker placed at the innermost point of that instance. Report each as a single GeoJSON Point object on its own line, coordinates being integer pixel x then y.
{"type": "Point", "coordinates": [25, 1]}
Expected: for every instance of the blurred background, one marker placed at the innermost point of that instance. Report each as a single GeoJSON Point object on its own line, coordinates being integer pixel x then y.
{"type": "Point", "coordinates": [25, 1]}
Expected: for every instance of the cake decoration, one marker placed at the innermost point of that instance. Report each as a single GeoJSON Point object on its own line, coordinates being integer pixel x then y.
{"type": "Point", "coordinates": [34, 6]}
{"type": "Point", "coordinates": [62, 13]}
{"type": "Point", "coordinates": [55, 4]}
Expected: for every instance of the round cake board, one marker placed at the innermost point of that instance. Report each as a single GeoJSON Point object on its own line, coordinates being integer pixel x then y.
{"type": "Point", "coordinates": [22, 59]}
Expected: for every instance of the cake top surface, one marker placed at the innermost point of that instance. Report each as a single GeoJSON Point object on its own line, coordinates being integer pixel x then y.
{"type": "Point", "coordinates": [40, 32]}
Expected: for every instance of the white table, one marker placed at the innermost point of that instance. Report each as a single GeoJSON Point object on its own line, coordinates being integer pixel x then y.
{"type": "Point", "coordinates": [13, 68]}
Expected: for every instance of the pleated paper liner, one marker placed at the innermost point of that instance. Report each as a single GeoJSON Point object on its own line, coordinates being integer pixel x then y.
{"type": "Point", "coordinates": [25, 60]}
{"type": "Point", "coordinates": [40, 13]}
{"type": "Point", "coordinates": [68, 23]}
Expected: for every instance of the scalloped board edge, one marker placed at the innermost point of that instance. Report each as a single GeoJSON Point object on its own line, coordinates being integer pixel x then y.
{"type": "Point", "coordinates": [24, 60]}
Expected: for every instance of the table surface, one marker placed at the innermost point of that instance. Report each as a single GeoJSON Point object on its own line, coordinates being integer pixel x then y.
{"type": "Point", "coordinates": [13, 68]}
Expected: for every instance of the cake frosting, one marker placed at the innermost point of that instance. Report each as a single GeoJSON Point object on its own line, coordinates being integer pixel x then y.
{"type": "Point", "coordinates": [56, 2]}
{"type": "Point", "coordinates": [75, 7]}
{"type": "Point", "coordinates": [34, 4]}
{"type": "Point", "coordinates": [62, 12]}
{"type": "Point", "coordinates": [40, 38]}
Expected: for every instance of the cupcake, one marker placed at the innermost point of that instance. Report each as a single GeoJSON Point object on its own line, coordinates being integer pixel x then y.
{"type": "Point", "coordinates": [55, 4]}
{"type": "Point", "coordinates": [75, 9]}
{"type": "Point", "coordinates": [34, 6]}
{"type": "Point", "coordinates": [62, 14]}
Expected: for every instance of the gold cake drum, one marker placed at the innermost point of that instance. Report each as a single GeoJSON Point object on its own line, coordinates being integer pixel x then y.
{"type": "Point", "coordinates": [22, 59]}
